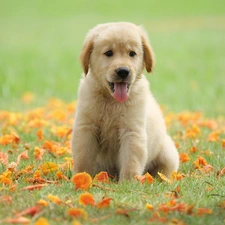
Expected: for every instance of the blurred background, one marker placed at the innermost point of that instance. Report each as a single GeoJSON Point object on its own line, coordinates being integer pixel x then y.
{"type": "Point", "coordinates": [40, 43]}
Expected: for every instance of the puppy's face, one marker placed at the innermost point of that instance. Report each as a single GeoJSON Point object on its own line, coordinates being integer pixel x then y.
{"type": "Point", "coordinates": [116, 54]}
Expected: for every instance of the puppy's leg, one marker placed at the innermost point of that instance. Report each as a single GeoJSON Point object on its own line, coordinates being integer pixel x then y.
{"type": "Point", "coordinates": [84, 149]}
{"type": "Point", "coordinates": [132, 155]}
{"type": "Point", "coordinates": [168, 159]}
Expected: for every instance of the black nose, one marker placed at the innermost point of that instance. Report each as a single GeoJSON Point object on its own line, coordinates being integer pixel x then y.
{"type": "Point", "coordinates": [122, 72]}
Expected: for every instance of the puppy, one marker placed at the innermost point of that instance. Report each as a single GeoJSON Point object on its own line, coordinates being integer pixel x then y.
{"type": "Point", "coordinates": [119, 127]}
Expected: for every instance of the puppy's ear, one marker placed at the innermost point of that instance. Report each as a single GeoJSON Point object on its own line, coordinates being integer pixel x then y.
{"type": "Point", "coordinates": [148, 52]}
{"type": "Point", "coordinates": [86, 53]}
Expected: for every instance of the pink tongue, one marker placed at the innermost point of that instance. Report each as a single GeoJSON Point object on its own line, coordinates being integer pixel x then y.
{"type": "Point", "coordinates": [120, 93]}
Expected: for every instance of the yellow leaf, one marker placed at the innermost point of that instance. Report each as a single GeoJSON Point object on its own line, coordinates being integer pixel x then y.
{"type": "Point", "coordinates": [41, 221]}
{"type": "Point", "coordinates": [49, 167]}
{"type": "Point", "coordinates": [54, 198]}
{"type": "Point", "coordinates": [163, 177]}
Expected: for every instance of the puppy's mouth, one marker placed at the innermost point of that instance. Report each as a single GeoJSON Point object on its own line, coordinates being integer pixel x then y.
{"type": "Point", "coordinates": [119, 90]}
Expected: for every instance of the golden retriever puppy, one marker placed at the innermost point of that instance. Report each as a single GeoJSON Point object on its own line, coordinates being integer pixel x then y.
{"type": "Point", "coordinates": [119, 127]}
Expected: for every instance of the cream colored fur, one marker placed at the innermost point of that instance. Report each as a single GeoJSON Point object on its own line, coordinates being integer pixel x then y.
{"type": "Point", "coordinates": [123, 138]}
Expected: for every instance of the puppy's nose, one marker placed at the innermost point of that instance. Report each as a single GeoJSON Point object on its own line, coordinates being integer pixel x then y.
{"type": "Point", "coordinates": [122, 72]}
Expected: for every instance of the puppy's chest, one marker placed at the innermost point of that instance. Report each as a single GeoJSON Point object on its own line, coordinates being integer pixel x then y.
{"type": "Point", "coordinates": [108, 123]}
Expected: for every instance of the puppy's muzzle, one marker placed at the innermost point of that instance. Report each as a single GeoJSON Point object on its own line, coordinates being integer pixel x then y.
{"type": "Point", "coordinates": [123, 72]}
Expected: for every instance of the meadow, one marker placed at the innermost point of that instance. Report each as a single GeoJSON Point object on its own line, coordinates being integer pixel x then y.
{"type": "Point", "coordinates": [40, 43]}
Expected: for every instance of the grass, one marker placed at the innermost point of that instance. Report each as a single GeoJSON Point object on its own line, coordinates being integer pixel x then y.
{"type": "Point", "coordinates": [40, 43]}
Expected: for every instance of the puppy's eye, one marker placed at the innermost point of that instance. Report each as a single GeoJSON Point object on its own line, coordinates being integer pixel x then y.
{"type": "Point", "coordinates": [132, 53]}
{"type": "Point", "coordinates": [109, 53]}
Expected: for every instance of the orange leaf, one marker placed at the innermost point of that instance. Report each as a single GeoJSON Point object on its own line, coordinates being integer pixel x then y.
{"type": "Point", "coordinates": [19, 220]}
{"type": "Point", "coordinates": [30, 211]}
{"type": "Point", "coordinates": [104, 203]}
{"type": "Point", "coordinates": [82, 180]}
{"type": "Point", "coordinates": [39, 134]}
{"type": "Point", "coordinates": [102, 177]}
{"type": "Point", "coordinates": [223, 143]}
{"type": "Point", "coordinates": [163, 177]}
{"type": "Point", "coordinates": [23, 155]}
{"type": "Point", "coordinates": [184, 157]}
{"type": "Point", "coordinates": [38, 153]}
{"type": "Point", "coordinates": [200, 162]}
{"type": "Point", "coordinates": [54, 198]}
{"type": "Point", "coordinates": [203, 211]}
{"type": "Point", "coordinates": [12, 138]}
{"type": "Point", "coordinates": [86, 199]}
{"type": "Point", "coordinates": [41, 221]}
{"type": "Point", "coordinates": [34, 187]}
{"type": "Point", "coordinates": [145, 178]}
{"type": "Point", "coordinates": [77, 213]}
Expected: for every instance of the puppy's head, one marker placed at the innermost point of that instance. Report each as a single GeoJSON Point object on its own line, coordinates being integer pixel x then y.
{"type": "Point", "coordinates": [116, 54]}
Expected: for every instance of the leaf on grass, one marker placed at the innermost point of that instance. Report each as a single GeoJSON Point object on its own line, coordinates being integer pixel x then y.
{"type": "Point", "coordinates": [23, 155]}
{"type": "Point", "coordinates": [54, 198]}
{"type": "Point", "coordinates": [145, 178]}
{"type": "Point", "coordinates": [123, 212]}
{"type": "Point", "coordinates": [41, 221]}
{"type": "Point", "coordinates": [223, 143]}
{"type": "Point", "coordinates": [34, 187]}
{"type": "Point", "coordinates": [39, 134]}
{"type": "Point", "coordinates": [38, 153]}
{"type": "Point", "coordinates": [18, 220]}
{"type": "Point", "coordinates": [12, 138]}
{"type": "Point", "coordinates": [164, 178]}
{"type": "Point", "coordinates": [42, 202]}
{"type": "Point", "coordinates": [149, 206]}
{"type": "Point", "coordinates": [86, 199]}
{"type": "Point", "coordinates": [184, 157]}
{"type": "Point", "coordinates": [102, 177]}
{"type": "Point", "coordinates": [104, 203]}
{"type": "Point", "coordinates": [77, 213]}
{"type": "Point", "coordinates": [48, 167]}
{"type": "Point", "coordinates": [82, 180]}
{"type": "Point", "coordinates": [204, 211]}
{"type": "Point", "coordinates": [30, 211]}
{"type": "Point", "coordinates": [5, 177]}
{"type": "Point", "coordinates": [177, 176]}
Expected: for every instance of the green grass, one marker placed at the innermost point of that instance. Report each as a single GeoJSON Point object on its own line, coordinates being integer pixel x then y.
{"type": "Point", "coordinates": [40, 43]}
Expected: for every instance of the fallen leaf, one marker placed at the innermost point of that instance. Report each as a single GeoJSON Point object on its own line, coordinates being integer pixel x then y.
{"type": "Point", "coordinates": [54, 198]}
{"type": "Point", "coordinates": [102, 177]}
{"type": "Point", "coordinates": [23, 155]}
{"type": "Point", "coordinates": [163, 177]}
{"type": "Point", "coordinates": [204, 211]}
{"type": "Point", "coordinates": [30, 211]}
{"type": "Point", "coordinates": [48, 167]}
{"type": "Point", "coordinates": [77, 213]}
{"type": "Point", "coordinates": [41, 221]}
{"type": "Point", "coordinates": [82, 181]}
{"type": "Point", "coordinates": [86, 199]}
{"type": "Point", "coordinates": [184, 157]}
{"type": "Point", "coordinates": [18, 220]}
{"type": "Point", "coordinates": [34, 187]}
{"type": "Point", "coordinates": [104, 203]}
{"type": "Point", "coordinates": [149, 206]}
